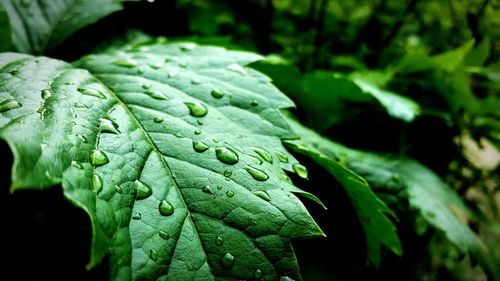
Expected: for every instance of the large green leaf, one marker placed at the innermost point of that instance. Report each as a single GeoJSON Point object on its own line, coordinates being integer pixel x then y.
{"type": "Point", "coordinates": [39, 25]}
{"type": "Point", "coordinates": [372, 212]}
{"type": "Point", "coordinates": [5, 31]}
{"type": "Point", "coordinates": [174, 151]}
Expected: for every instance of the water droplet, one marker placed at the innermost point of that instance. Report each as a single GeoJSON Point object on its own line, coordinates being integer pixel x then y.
{"type": "Point", "coordinates": [80, 105]}
{"type": "Point", "coordinates": [219, 241]}
{"type": "Point", "coordinates": [9, 104]}
{"type": "Point", "coordinates": [178, 135]}
{"type": "Point", "coordinates": [183, 64]}
{"type": "Point", "coordinates": [98, 158]}
{"type": "Point", "coordinates": [199, 146]}
{"type": "Point", "coordinates": [166, 209]}
{"type": "Point", "coordinates": [197, 109]}
{"type": "Point", "coordinates": [158, 119]}
{"type": "Point", "coordinates": [257, 274]}
{"type": "Point", "coordinates": [237, 68]}
{"type": "Point", "coordinates": [156, 65]}
{"type": "Point", "coordinates": [227, 261]}
{"type": "Point", "coordinates": [281, 156]}
{"type": "Point", "coordinates": [227, 173]}
{"type": "Point", "coordinates": [118, 189]}
{"type": "Point", "coordinates": [286, 278]}
{"type": "Point", "coordinates": [153, 254]}
{"type": "Point", "coordinates": [142, 190]}
{"type": "Point", "coordinates": [172, 73]}
{"type": "Point", "coordinates": [226, 155]}
{"type": "Point", "coordinates": [156, 95]}
{"type": "Point", "coordinates": [254, 103]}
{"type": "Point", "coordinates": [196, 81]}
{"type": "Point", "coordinates": [207, 189]}
{"type": "Point", "coordinates": [229, 193]}
{"type": "Point", "coordinates": [108, 126]}
{"type": "Point", "coordinates": [76, 165]}
{"type": "Point", "coordinates": [91, 92]}
{"type": "Point", "coordinates": [164, 235]}
{"type": "Point", "coordinates": [199, 121]}
{"type": "Point", "coordinates": [197, 131]}
{"type": "Point", "coordinates": [96, 183]}
{"type": "Point", "coordinates": [136, 216]}
{"type": "Point", "coordinates": [190, 267]}
{"type": "Point", "coordinates": [262, 194]}
{"type": "Point", "coordinates": [264, 154]}
{"type": "Point", "coordinates": [46, 94]}
{"type": "Point", "coordinates": [146, 86]}
{"type": "Point", "coordinates": [187, 46]}
{"type": "Point", "coordinates": [216, 140]}
{"type": "Point", "coordinates": [300, 170]}
{"type": "Point", "coordinates": [25, 3]}
{"type": "Point", "coordinates": [125, 63]}
{"type": "Point", "coordinates": [219, 187]}
{"type": "Point", "coordinates": [284, 176]}
{"type": "Point", "coordinates": [141, 70]}
{"type": "Point", "coordinates": [216, 93]}
{"type": "Point", "coordinates": [256, 173]}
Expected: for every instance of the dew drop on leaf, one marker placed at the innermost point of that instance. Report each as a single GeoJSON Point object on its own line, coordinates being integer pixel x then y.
{"type": "Point", "coordinates": [158, 119]}
{"type": "Point", "coordinates": [200, 122]}
{"type": "Point", "coordinates": [80, 105]}
{"type": "Point", "coordinates": [219, 187]}
{"type": "Point", "coordinates": [166, 209]}
{"type": "Point", "coordinates": [91, 92]}
{"type": "Point", "coordinates": [227, 173]}
{"type": "Point", "coordinates": [300, 170]}
{"type": "Point", "coordinates": [156, 65]}
{"type": "Point", "coordinates": [108, 126]}
{"type": "Point", "coordinates": [153, 254]}
{"type": "Point", "coordinates": [196, 81]}
{"type": "Point", "coordinates": [226, 155]}
{"type": "Point", "coordinates": [46, 94]}
{"type": "Point", "coordinates": [136, 216]}
{"type": "Point", "coordinates": [254, 103]}
{"type": "Point", "coordinates": [281, 156]}
{"type": "Point", "coordinates": [125, 63]}
{"type": "Point", "coordinates": [146, 86]}
{"type": "Point", "coordinates": [217, 94]}
{"type": "Point", "coordinates": [197, 109]}
{"type": "Point", "coordinates": [264, 154]}
{"type": "Point", "coordinates": [96, 183]}
{"type": "Point", "coordinates": [257, 274]}
{"type": "Point", "coordinates": [227, 261]}
{"type": "Point", "coordinates": [237, 68]}
{"type": "Point", "coordinates": [9, 104]}
{"type": "Point", "coordinates": [199, 146]}
{"type": "Point", "coordinates": [207, 189]}
{"type": "Point", "coordinates": [118, 189]}
{"type": "Point", "coordinates": [98, 157]}
{"type": "Point", "coordinates": [286, 278]}
{"type": "Point", "coordinates": [262, 194]}
{"type": "Point", "coordinates": [219, 241]}
{"type": "Point", "coordinates": [156, 95]}
{"type": "Point", "coordinates": [76, 165]}
{"type": "Point", "coordinates": [229, 193]}
{"type": "Point", "coordinates": [256, 173]}
{"type": "Point", "coordinates": [142, 190]}
{"type": "Point", "coordinates": [164, 235]}
{"type": "Point", "coordinates": [197, 131]}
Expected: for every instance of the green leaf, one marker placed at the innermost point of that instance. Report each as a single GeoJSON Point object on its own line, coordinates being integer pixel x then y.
{"type": "Point", "coordinates": [5, 31]}
{"type": "Point", "coordinates": [41, 25]}
{"type": "Point", "coordinates": [162, 146]}
{"type": "Point", "coordinates": [371, 211]}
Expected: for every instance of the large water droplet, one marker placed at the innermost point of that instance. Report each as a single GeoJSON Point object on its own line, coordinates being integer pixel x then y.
{"type": "Point", "coordinates": [164, 235]}
{"type": "Point", "coordinates": [257, 274]}
{"type": "Point", "coordinates": [156, 95]}
{"type": "Point", "coordinates": [46, 94]}
{"type": "Point", "coordinates": [219, 241]}
{"type": "Point", "coordinates": [207, 189]}
{"type": "Point", "coordinates": [196, 81]}
{"type": "Point", "coordinates": [262, 194]}
{"type": "Point", "coordinates": [199, 146]}
{"type": "Point", "coordinates": [227, 261]}
{"type": "Point", "coordinates": [256, 173]}
{"type": "Point", "coordinates": [300, 170]}
{"type": "Point", "coordinates": [264, 154]}
{"type": "Point", "coordinates": [166, 209]}
{"type": "Point", "coordinates": [153, 254]}
{"type": "Point", "coordinates": [108, 126]}
{"type": "Point", "coordinates": [281, 156]}
{"type": "Point", "coordinates": [125, 63]}
{"type": "Point", "coordinates": [216, 93]}
{"type": "Point", "coordinates": [9, 104]}
{"type": "Point", "coordinates": [98, 157]}
{"type": "Point", "coordinates": [118, 189]}
{"type": "Point", "coordinates": [229, 193]}
{"type": "Point", "coordinates": [197, 109]}
{"type": "Point", "coordinates": [96, 183]}
{"type": "Point", "coordinates": [142, 190]}
{"type": "Point", "coordinates": [226, 155]}
{"type": "Point", "coordinates": [91, 92]}
{"type": "Point", "coordinates": [136, 216]}
{"type": "Point", "coordinates": [76, 165]}
{"type": "Point", "coordinates": [237, 68]}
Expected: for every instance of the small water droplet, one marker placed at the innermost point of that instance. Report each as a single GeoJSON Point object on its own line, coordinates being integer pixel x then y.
{"type": "Point", "coordinates": [96, 183]}
{"type": "Point", "coordinates": [229, 193]}
{"type": "Point", "coordinates": [216, 93]}
{"type": "Point", "coordinates": [156, 95]}
{"type": "Point", "coordinates": [183, 64]}
{"type": "Point", "coordinates": [141, 70]}
{"type": "Point", "coordinates": [300, 170]}
{"type": "Point", "coordinates": [172, 73]}
{"type": "Point", "coordinates": [219, 241]}
{"type": "Point", "coordinates": [156, 65]}
{"type": "Point", "coordinates": [286, 278]}
{"type": "Point", "coordinates": [46, 94]}
{"type": "Point", "coordinates": [153, 254]}
{"type": "Point", "coordinates": [91, 92]}
{"type": "Point", "coordinates": [226, 155]}
{"type": "Point", "coordinates": [196, 81]}
{"type": "Point", "coordinates": [207, 189]}
{"type": "Point", "coordinates": [216, 140]}
{"type": "Point", "coordinates": [254, 103]}
{"type": "Point", "coordinates": [281, 156]}
{"type": "Point", "coordinates": [262, 194]}
{"type": "Point", "coordinates": [80, 105]}
{"type": "Point", "coordinates": [187, 46]}
{"type": "Point", "coordinates": [190, 267]}
{"type": "Point", "coordinates": [166, 209]}
{"type": "Point", "coordinates": [108, 126]}
{"type": "Point", "coordinates": [237, 68]}
{"type": "Point", "coordinates": [142, 190]}
{"type": "Point", "coordinates": [136, 216]}
{"type": "Point", "coordinates": [199, 121]}
{"type": "Point", "coordinates": [264, 154]}
{"type": "Point", "coordinates": [219, 187]}
{"type": "Point", "coordinates": [197, 109]}
{"type": "Point", "coordinates": [25, 3]}
{"type": "Point", "coordinates": [76, 164]}
{"type": "Point", "coordinates": [256, 173]}
{"type": "Point", "coordinates": [199, 146]}
{"type": "Point", "coordinates": [227, 173]}
{"type": "Point", "coordinates": [158, 119]}
{"type": "Point", "coordinates": [9, 104]}
{"type": "Point", "coordinates": [146, 86]}
{"type": "Point", "coordinates": [126, 63]}
{"type": "Point", "coordinates": [98, 157]}
{"type": "Point", "coordinates": [257, 274]}
{"type": "Point", "coordinates": [178, 135]}
{"type": "Point", "coordinates": [164, 235]}
{"type": "Point", "coordinates": [118, 189]}
{"type": "Point", "coordinates": [227, 260]}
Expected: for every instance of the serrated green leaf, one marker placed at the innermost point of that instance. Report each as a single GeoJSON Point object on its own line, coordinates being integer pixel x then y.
{"type": "Point", "coordinates": [41, 25]}
{"type": "Point", "coordinates": [161, 166]}
{"type": "Point", "coordinates": [372, 212]}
